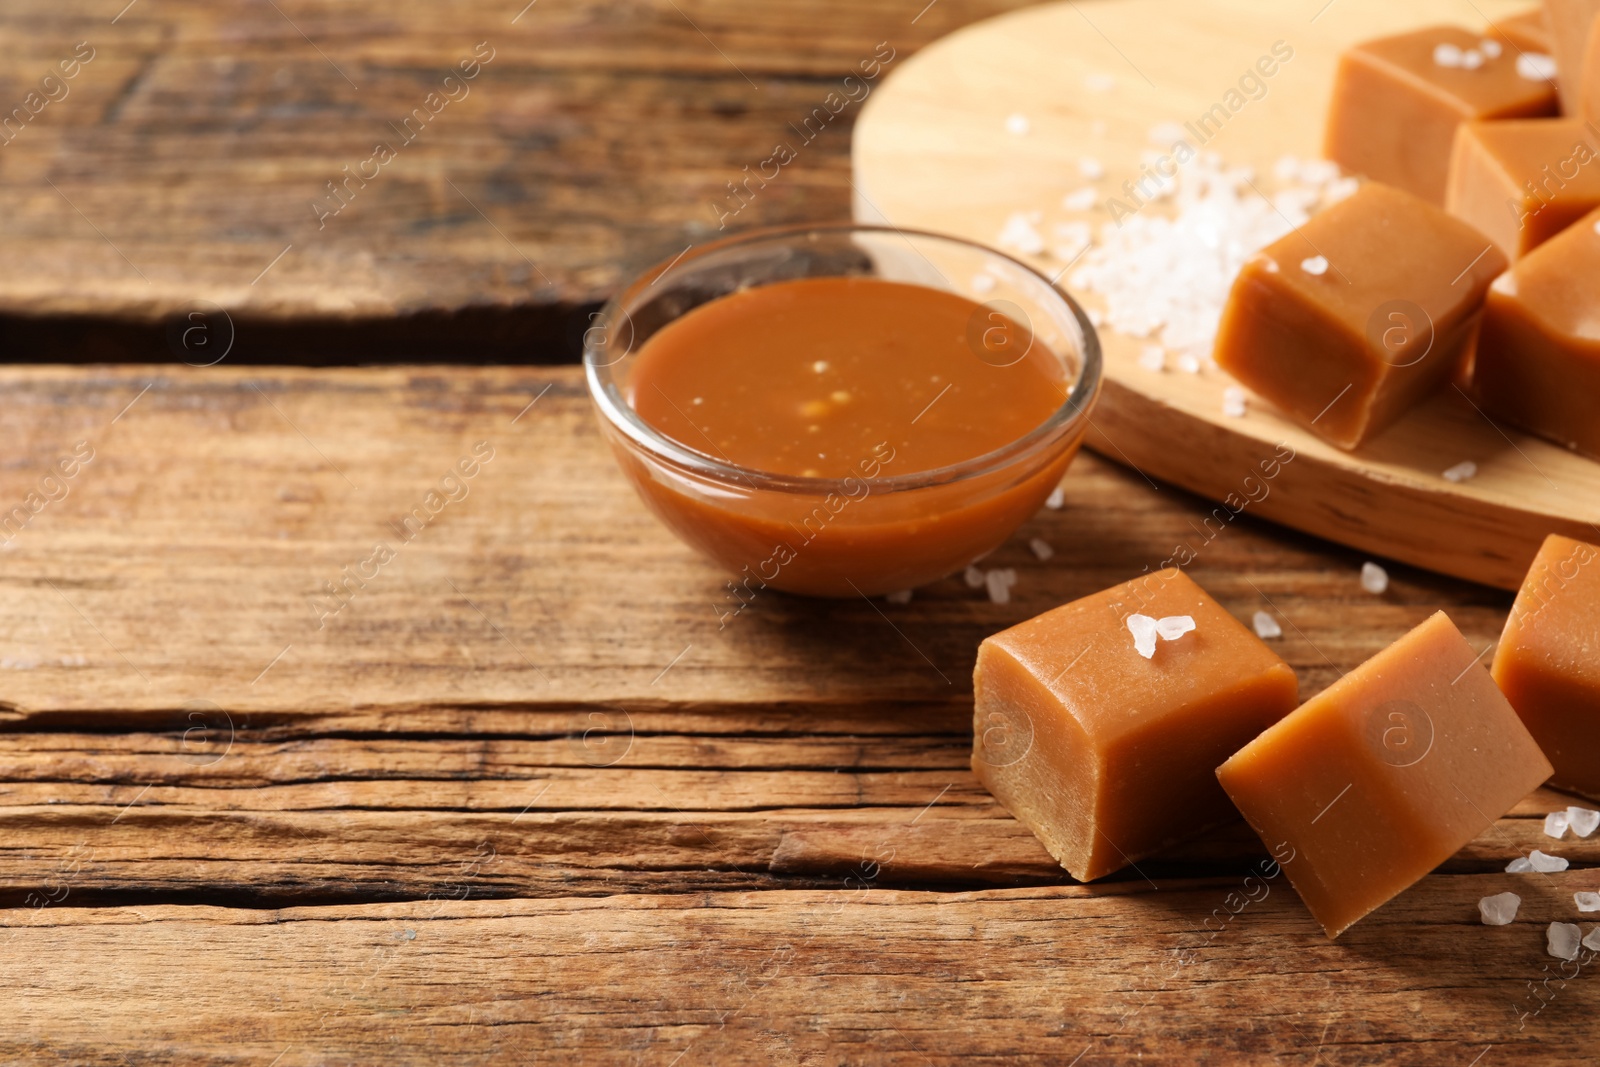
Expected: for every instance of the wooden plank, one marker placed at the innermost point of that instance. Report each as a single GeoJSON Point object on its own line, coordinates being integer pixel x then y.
{"type": "Point", "coordinates": [855, 974]}
{"type": "Point", "coordinates": [931, 151]}
{"type": "Point", "coordinates": [188, 560]}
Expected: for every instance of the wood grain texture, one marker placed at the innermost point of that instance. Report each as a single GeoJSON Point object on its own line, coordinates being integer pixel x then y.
{"type": "Point", "coordinates": [931, 151]}
{"type": "Point", "coordinates": [187, 154]}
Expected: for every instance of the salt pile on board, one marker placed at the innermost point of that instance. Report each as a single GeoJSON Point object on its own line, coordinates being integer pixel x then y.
{"type": "Point", "coordinates": [1374, 579]}
{"type": "Point", "coordinates": [1587, 901]}
{"type": "Point", "coordinates": [1499, 909]}
{"type": "Point", "coordinates": [1545, 863]}
{"type": "Point", "coordinates": [1000, 581]}
{"type": "Point", "coordinates": [1561, 940]}
{"type": "Point", "coordinates": [1555, 824]}
{"type": "Point", "coordinates": [1266, 626]}
{"type": "Point", "coordinates": [1583, 821]}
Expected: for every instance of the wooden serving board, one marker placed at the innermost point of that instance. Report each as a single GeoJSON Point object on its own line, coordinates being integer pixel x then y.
{"type": "Point", "coordinates": [932, 151]}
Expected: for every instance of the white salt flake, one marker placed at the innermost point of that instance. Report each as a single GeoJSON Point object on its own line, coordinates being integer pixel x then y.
{"type": "Point", "coordinates": [1018, 124]}
{"type": "Point", "coordinates": [1057, 497]}
{"type": "Point", "coordinates": [1583, 821]}
{"type": "Point", "coordinates": [1315, 265]}
{"type": "Point", "coordinates": [1561, 940]}
{"type": "Point", "coordinates": [1267, 627]}
{"type": "Point", "coordinates": [1555, 824]}
{"type": "Point", "coordinates": [1041, 548]}
{"type": "Point", "coordinates": [1019, 233]}
{"type": "Point", "coordinates": [1286, 169]}
{"type": "Point", "coordinates": [1091, 168]}
{"type": "Point", "coordinates": [1536, 67]}
{"type": "Point", "coordinates": [983, 283]}
{"type": "Point", "coordinates": [1188, 364]}
{"type": "Point", "coordinates": [1374, 579]}
{"type": "Point", "coordinates": [1592, 942]}
{"type": "Point", "coordinates": [1233, 402]}
{"type": "Point", "coordinates": [1471, 59]}
{"type": "Point", "coordinates": [1153, 359]}
{"type": "Point", "coordinates": [1490, 48]}
{"type": "Point", "coordinates": [1499, 909]}
{"type": "Point", "coordinates": [1447, 55]}
{"type": "Point", "coordinates": [1545, 863]}
{"type": "Point", "coordinates": [999, 582]}
{"type": "Point", "coordinates": [1100, 83]}
{"type": "Point", "coordinates": [1464, 471]}
{"type": "Point", "coordinates": [1520, 865]}
{"type": "Point", "coordinates": [973, 577]}
{"type": "Point", "coordinates": [899, 596]}
{"type": "Point", "coordinates": [1166, 134]}
{"type": "Point", "coordinates": [1079, 199]}
{"type": "Point", "coordinates": [1143, 628]}
{"type": "Point", "coordinates": [1339, 190]}
{"type": "Point", "coordinates": [1173, 627]}
{"type": "Point", "coordinates": [1587, 901]}
{"type": "Point", "coordinates": [1318, 171]}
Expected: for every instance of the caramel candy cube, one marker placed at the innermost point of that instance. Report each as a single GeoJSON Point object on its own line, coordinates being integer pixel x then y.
{"type": "Point", "coordinates": [1105, 754]}
{"type": "Point", "coordinates": [1347, 322]}
{"type": "Point", "coordinates": [1569, 23]}
{"type": "Point", "coordinates": [1396, 106]}
{"type": "Point", "coordinates": [1523, 32]}
{"type": "Point", "coordinates": [1523, 182]}
{"type": "Point", "coordinates": [1548, 662]}
{"type": "Point", "coordinates": [1381, 777]}
{"type": "Point", "coordinates": [1538, 360]}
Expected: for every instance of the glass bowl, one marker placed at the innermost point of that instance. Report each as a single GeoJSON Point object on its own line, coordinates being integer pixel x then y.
{"type": "Point", "coordinates": [889, 529]}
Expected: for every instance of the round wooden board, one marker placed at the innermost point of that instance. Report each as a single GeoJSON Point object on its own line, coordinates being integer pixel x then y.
{"type": "Point", "coordinates": [932, 151]}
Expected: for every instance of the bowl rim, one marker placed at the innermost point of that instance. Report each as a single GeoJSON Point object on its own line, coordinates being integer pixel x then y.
{"type": "Point", "coordinates": [1083, 389]}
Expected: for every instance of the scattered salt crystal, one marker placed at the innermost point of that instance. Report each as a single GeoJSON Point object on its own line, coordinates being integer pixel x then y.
{"type": "Point", "coordinates": [1018, 124]}
{"type": "Point", "coordinates": [1080, 199]}
{"type": "Point", "coordinates": [1520, 865]}
{"type": "Point", "coordinates": [820, 366]}
{"type": "Point", "coordinates": [1461, 472]}
{"type": "Point", "coordinates": [1339, 190]}
{"type": "Point", "coordinates": [1267, 627]}
{"type": "Point", "coordinates": [1143, 628]}
{"type": "Point", "coordinates": [983, 283]}
{"type": "Point", "coordinates": [1555, 824]}
{"type": "Point", "coordinates": [1315, 265]}
{"type": "Point", "coordinates": [1166, 134]}
{"type": "Point", "coordinates": [1545, 863]}
{"type": "Point", "coordinates": [1561, 940]}
{"type": "Point", "coordinates": [1583, 821]}
{"type": "Point", "coordinates": [1019, 233]}
{"type": "Point", "coordinates": [1000, 580]}
{"type": "Point", "coordinates": [1173, 627]}
{"type": "Point", "coordinates": [1536, 67]}
{"type": "Point", "coordinates": [1233, 402]}
{"type": "Point", "coordinates": [1447, 55]}
{"type": "Point", "coordinates": [973, 577]}
{"type": "Point", "coordinates": [1100, 83]}
{"type": "Point", "coordinates": [1057, 497]}
{"type": "Point", "coordinates": [1374, 579]}
{"type": "Point", "coordinates": [1153, 358]}
{"type": "Point", "coordinates": [1499, 909]}
{"type": "Point", "coordinates": [1092, 169]}
{"type": "Point", "coordinates": [1188, 364]}
{"type": "Point", "coordinates": [1490, 48]}
{"type": "Point", "coordinates": [1592, 942]}
{"type": "Point", "coordinates": [1318, 171]}
{"type": "Point", "coordinates": [899, 596]}
{"type": "Point", "coordinates": [1587, 901]}
{"type": "Point", "coordinates": [1471, 59]}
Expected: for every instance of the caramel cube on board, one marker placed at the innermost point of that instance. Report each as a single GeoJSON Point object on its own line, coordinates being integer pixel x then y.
{"type": "Point", "coordinates": [1374, 782]}
{"type": "Point", "coordinates": [1523, 32]}
{"type": "Point", "coordinates": [1350, 320]}
{"type": "Point", "coordinates": [1107, 755]}
{"type": "Point", "coordinates": [1538, 360]}
{"type": "Point", "coordinates": [1396, 107]}
{"type": "Point", "coordinates": [1525, 181]}
{"type": "Point", "coordinates": [1548, 662]}
{"type": "Point", "coordinates": [1569, 23]}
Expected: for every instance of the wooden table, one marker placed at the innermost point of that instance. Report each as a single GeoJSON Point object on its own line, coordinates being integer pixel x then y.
{"type": "Point", "coordinates": [506, 791]}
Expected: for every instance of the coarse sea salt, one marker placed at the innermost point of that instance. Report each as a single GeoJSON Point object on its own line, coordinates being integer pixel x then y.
{"type": "Point", "coordinates": [1173, 627]}
{"type": "Point", "coordinates": [1592, 942]}
{"type": "Point", "coordinates": [1019, 233]}
{"type": "Point", "coordinates": [1057, 497]}
{"type": "Point", "coordinates": [1152, 358]}
{"type": "Point", "coordinates": [1520, 865]}
{"type": "Point", "coordinates": [899, 596]}
{"type": "Point", "coordinates": [973, 577]}
{"type": "Point", "coordinates": [1041, 548]}
{"type": "Point", "coordinates": [1143, 629]}
{"type": "Point", "coordinates": [1374, 579]}
{"type": "Point", "coordinates": [1471, 59]}
{"type": "Point", "coordinates": [1266, 626]}
{"type": "Point", "coordinates": [1536, 67]}
{"type": "Point", "coordinates": [1561, 940]}
{"type": "Point", "coordinates": [1490, 48]}
{"type": "Point", "coordinates": [1499, 909]}
{"type": "Point", "coordinates": [1545, 863]}
{"type": "Point", "coordinates": [1079, 199]}
{"type": "Point", "coordinates": [1583, 821]}
{"type": "Point", "coordinates": [1315, 265]}
{"type": "Point", "coordinates": [1447, 55]}
{"type": "Point", "coordinates": [1233, 402]}
{"type": "Point", "coordinates": [1091, 168]}
{"type": "Point", "coordinates": [1587, 901]}
{"type": "Point", "coordinates": [1555, 824]}
{"type": "Point", "coordinates": [1018, 124]}
{"type": "Point", "coordinates": [1188, 363]}
{"type": "Point", "coordinates": [1461, 472]}
{"type": "Point", "coordinates": [999, 582]}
